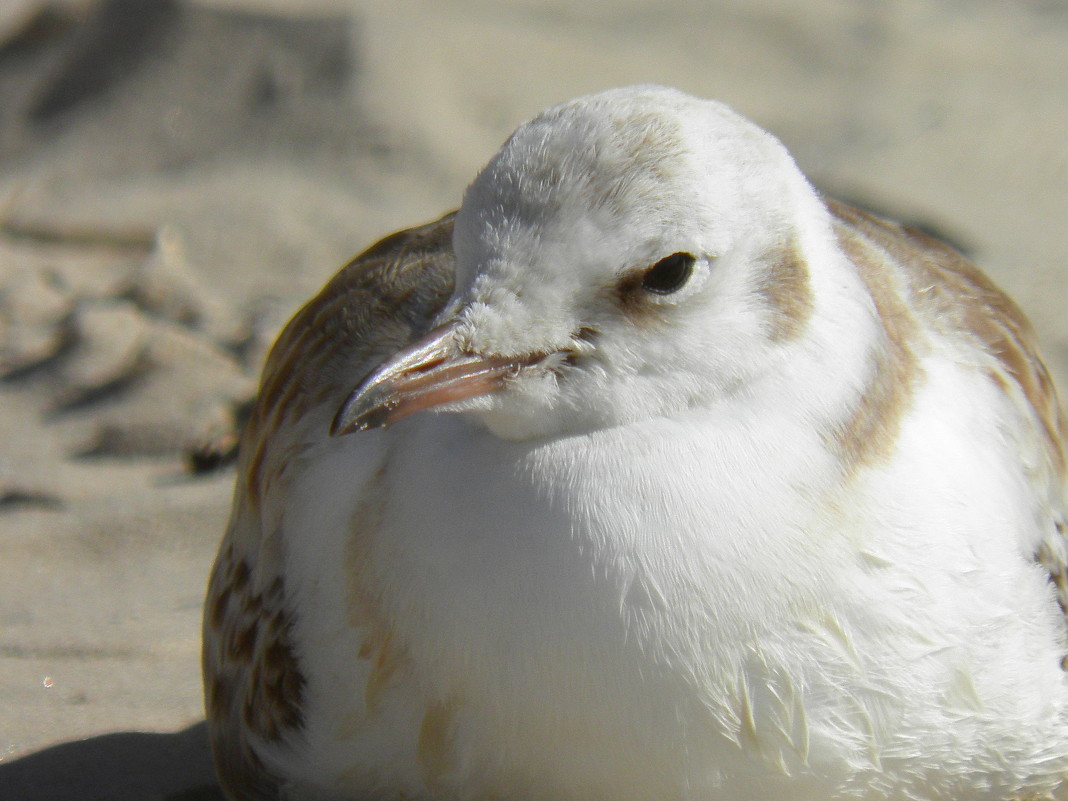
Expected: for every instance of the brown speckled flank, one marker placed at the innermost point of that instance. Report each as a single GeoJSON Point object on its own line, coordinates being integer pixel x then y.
{"type": "Point", "coordinates": [253, 686]}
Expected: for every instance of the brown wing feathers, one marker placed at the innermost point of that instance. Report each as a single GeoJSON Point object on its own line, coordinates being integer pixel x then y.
{"type": "Point", "coordinates": [253, 686]}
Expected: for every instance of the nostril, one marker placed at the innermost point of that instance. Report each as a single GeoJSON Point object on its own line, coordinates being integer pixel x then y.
{"type": "Point", "coordinates": [582, 345]}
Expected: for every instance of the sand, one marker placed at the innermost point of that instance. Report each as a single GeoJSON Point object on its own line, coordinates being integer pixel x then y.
{"type": "Point", "coordinates": [176, 177]}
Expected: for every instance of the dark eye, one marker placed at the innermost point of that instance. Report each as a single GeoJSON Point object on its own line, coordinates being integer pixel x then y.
{"type": "Point", "coordinates": [669, 274]}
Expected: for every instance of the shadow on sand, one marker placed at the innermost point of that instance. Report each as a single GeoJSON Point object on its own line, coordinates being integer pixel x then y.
{"type": "Point", "coordinates": [124, 766]}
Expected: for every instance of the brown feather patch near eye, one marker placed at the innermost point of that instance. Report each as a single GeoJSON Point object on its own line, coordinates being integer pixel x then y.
{"type": "Point", "coordinates": [637, 290]}
{"type": "Point", "coordinates": [786, 289]}
{"type": "Point", "coordinates": [627, 293]}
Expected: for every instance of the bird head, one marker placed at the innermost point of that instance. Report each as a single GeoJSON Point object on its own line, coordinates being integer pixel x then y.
{"type": "Point", "coordinates": [624, 256]}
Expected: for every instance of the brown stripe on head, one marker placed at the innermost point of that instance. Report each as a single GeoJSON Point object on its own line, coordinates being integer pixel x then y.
{"type": "Point", "coordinates": [786, 289]}
{"type": "Point", "coordinates": [870, 432]}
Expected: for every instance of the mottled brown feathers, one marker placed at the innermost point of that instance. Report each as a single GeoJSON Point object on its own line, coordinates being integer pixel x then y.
{"type": "Point", "coordinates": [869, 433]}
{"type": "Point", "coordinates": [921, 285]}
{"type": "Point", "coordinates": [918, 282]}
{"type": "Point", "coordinates": [251, 630]}
{"type": "Point", "coordinates": [375, 304]}
{"type": "Point", "coordinates": [253, 685]}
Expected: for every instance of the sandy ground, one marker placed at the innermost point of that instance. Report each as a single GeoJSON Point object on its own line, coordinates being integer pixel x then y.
{"type": "Point", "coordinates": [176, 177]}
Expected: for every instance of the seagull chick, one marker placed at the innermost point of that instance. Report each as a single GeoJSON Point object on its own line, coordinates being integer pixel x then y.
{"type": "Point", "coordinates": [648, 475]}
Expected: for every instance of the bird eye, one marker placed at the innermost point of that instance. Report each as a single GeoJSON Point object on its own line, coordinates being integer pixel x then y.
{"type": "Point", "coordinates": [669, 274]}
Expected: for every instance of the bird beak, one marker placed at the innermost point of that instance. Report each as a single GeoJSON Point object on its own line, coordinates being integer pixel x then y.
{"type": "Point", "coordinates": [431, 372]}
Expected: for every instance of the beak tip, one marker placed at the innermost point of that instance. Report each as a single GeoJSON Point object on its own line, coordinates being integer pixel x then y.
{"type": "Point", "coordinates": [340, 429]}
{"type": "Point", "coordinates": [351, 419]}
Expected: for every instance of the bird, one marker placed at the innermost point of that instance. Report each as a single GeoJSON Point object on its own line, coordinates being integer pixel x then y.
{"type": "Point", "coordinates": [650, 473]}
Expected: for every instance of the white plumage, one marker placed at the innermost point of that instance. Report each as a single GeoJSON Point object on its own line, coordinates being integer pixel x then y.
{"type": "Point", "coordinates": [700, 487]}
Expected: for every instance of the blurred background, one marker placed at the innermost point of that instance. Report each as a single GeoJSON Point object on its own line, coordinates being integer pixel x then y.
{"type": "Point", "coordinates": [177, 176]}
